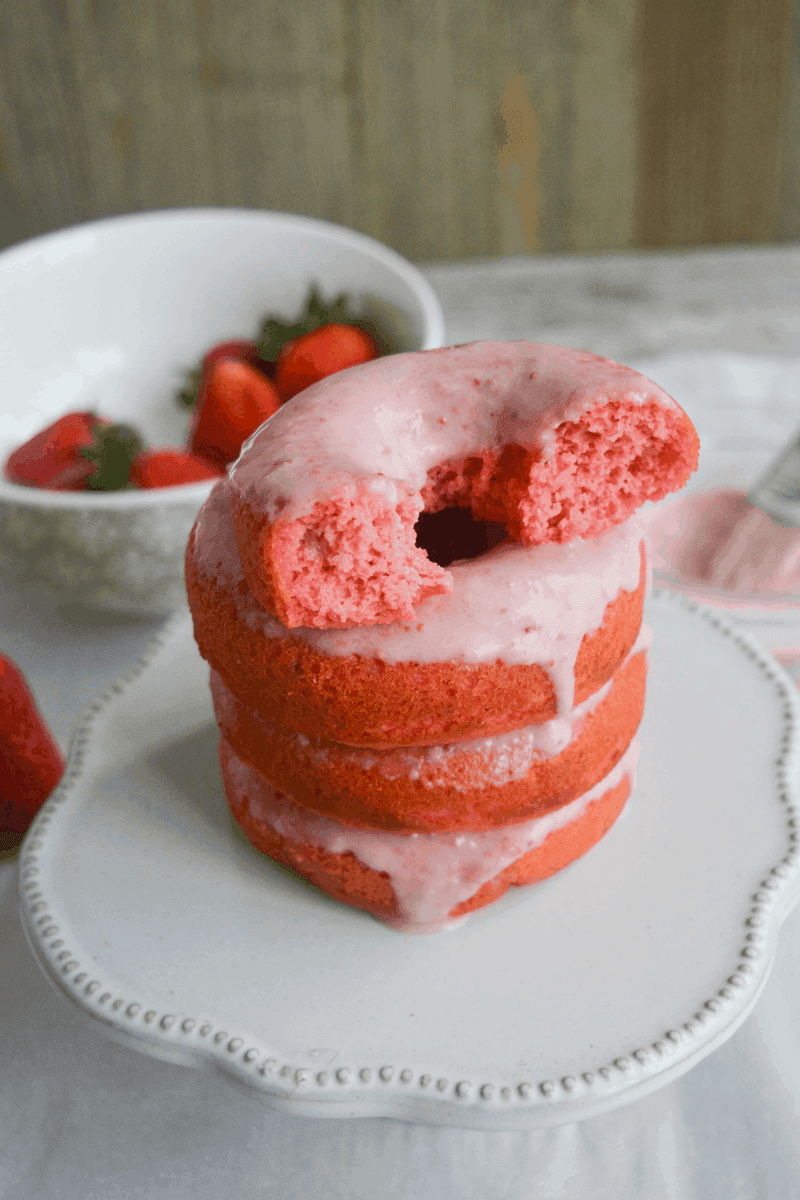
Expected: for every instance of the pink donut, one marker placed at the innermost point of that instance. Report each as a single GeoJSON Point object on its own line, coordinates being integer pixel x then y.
{"type": "Point", "coordinates": [526, 633]}
{"type": "Point", "coordinates": [550, 443]}
{"type": "Point", "coordinates": [484, 783]}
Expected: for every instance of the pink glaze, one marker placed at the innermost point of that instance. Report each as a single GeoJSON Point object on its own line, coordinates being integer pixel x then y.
{"type": "Point", "coordinates": [386, 424]}
{"type": "Point", "coordinates": [551, 442]}
{"type": "Point", "coordinates": [716, 539]}
{"type": "Point", "coordinates": [495, 761]}
{"type": "Point", "coordinates": [430, 873]}
{"type": "Point", "coordinates": [515, 604]}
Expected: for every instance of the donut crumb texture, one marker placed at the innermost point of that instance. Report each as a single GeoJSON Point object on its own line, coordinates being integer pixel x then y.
{"type": "Point", "coordinates": [353, 561]}
{"type": "Point", "coordinates": [599, 471]}
{"type": "Point", "coordinates": [357, 559]}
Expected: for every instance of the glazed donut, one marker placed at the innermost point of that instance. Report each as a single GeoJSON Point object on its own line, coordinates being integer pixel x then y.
{"type": "Point", "coordinates": [419, 882]}
{"type": "Point", "coordinates": [475, 785]}
{"type": "Point", "coordinates": [550, 443]}
{"type": "Point", "coordinates": [527, 633]}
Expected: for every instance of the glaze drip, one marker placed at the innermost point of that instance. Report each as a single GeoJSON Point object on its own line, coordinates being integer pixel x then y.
{"type": "Point", "coordinates": [430, 873]}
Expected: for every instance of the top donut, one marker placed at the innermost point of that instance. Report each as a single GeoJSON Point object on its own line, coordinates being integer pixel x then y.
{"type": "Point", "coordinates": [549, 442]}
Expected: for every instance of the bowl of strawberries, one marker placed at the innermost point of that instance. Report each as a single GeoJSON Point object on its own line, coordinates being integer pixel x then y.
{"type": "Point", "coordinates": [138, 353]}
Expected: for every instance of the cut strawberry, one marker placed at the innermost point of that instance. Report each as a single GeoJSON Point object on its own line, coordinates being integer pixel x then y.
{"type": "Point", "coordinates": [31, 763]}
{"type": "Point", "coordinates": [165, 466]}
{"type": "Point", "coordinates": [322, 352]}
{"type": "Point", "coordinates": [234, 348]}
{"type": "Point", "coordinates": [234, 400]}
{"type": "Point", "coordinates": [244, 348]}
{"type": "Point", "coordinates": [72, 478]}
{"type": "Point", "coordinates": [78, 451]}
{"type": "Point", "coordinates": [51, 458]}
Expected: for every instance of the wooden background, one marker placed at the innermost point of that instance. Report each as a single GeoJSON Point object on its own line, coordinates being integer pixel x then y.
{"type": "Point", "coordinates": [447, 128]}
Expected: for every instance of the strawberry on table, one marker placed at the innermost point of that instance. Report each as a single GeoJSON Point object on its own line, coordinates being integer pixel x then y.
{"type": "Point", "coordinates": [234, 399]}
{"type": "Point", "coordinates": [165, 466]}
{"type": "Point", "coordinates": [319, 353]}
{"type": "Point", "coordinates": [31, 763]}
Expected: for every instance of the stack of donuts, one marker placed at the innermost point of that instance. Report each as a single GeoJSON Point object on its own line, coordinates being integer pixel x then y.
{"type": "Point", "coordinates": [420, 593]}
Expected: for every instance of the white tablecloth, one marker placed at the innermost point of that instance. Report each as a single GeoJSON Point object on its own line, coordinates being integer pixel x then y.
{"type": "Point", "coordinates": [83, 1118]}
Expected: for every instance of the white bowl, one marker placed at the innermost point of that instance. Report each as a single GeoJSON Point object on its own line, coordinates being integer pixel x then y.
{"type": "Point", "coordinates": [108, 316]}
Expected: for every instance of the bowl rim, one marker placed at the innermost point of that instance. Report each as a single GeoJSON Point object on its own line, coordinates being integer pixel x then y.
{"type": "Point", "coordinates": [431, 307]}
{"type": "Point", "coordinates": [16, 256]}
{"type": "Point", "coordinates": [25, 496]}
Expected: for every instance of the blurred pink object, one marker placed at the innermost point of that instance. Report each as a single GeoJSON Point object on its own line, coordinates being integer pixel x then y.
{"type": "Point", "coordinates": [758, 555]}
{"type": "Point", "coordinates": [762, 550]}
{"type": "Point", "coordinates": [718, 535]}
{"type": "Point", "coordinates": [746, 544]}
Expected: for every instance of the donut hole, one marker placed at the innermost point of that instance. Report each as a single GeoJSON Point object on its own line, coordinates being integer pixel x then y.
{"type": "Point", "coordinates": [453, 534]}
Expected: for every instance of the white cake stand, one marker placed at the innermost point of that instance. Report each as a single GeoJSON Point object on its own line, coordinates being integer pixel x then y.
{"type": "Point", "coordinates": [556, 1004]}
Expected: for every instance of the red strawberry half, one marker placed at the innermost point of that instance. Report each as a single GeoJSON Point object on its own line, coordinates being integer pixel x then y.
{"type": "Point", "coordinates": [234, 399]}
{"type": "Point", "coordinates": [243, 348]}
{"type": "Point", "coordinates": [52, 458]}
{"type": "Point", "coordinates": [165, 466]}
{"type": "Point", "coordinates": [79, 451]}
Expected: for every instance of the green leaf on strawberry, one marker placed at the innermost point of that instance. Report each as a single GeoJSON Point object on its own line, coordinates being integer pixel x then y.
{"type": "Point", "coordinates": [187, 396]}
{"type": "Point", "coordinates": [113, 450]}
{"type": "Point", "coordinates": [274, 335]}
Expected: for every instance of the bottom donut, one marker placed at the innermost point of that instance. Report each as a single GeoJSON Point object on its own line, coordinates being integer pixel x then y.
{"type": "Point", "coordinates": [420, 882]}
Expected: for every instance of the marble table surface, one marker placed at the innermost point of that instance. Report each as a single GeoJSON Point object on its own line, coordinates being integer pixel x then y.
{"type": "Point", "coordinates": [631, 306]}
{"type": "Point", "coordinates": [84, 1118]}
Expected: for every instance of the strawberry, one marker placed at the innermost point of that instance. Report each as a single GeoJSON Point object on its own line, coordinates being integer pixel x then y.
{"type": "Point", "coordinates": [320, 353]}
{"type": "Point", "coordinates": [164, 466]}
{"type": "Point", "coordinates": [243, 348]}
{"type": "Point", "coordinates": [52, 458]}
{"type": "Point", "coordinates": [234, 348]}
{"type": "Point", "coordinates": [31, 763]}
{"type": "Point", "coordinates": [79, 451]}
{"type": "Point", "coordinates": [234, 399]}
{"type": "Point", "coordinates": [275, 332]}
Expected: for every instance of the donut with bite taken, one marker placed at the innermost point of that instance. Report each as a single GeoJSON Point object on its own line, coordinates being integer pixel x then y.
{"type": "Point", "coordinates": [525, 635]}
{"type": "Point", "coordinates": [550, 444]}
